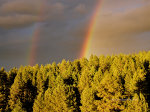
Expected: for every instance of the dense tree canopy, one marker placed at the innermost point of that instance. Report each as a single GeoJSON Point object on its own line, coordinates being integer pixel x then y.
{"type": "Point", "coordinates": [100, 84]}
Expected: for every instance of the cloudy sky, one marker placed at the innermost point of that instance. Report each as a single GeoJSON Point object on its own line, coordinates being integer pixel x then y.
{"type": "Point", "coordinates": [52, 30]}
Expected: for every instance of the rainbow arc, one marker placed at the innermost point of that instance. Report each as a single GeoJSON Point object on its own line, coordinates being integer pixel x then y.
{"type": "Point", "coordinates": [36, 35]}
{"type": "Point", "coordinates": [91, 29]}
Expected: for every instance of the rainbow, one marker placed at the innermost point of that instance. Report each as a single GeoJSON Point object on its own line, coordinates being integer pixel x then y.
{"type": "Point", "coordinates": [87, 41]}
{"type": "Point", "coordinates": [89, 35]}
{"type": "Point", "coordinates": [35, 36]}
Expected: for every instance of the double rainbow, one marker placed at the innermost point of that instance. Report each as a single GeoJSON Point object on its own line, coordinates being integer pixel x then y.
{"type": "Point", "coordinates": [86, 43]}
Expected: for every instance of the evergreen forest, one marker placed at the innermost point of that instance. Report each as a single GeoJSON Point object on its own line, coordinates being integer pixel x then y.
{"type": "Point", "coordinates": [117, 83]}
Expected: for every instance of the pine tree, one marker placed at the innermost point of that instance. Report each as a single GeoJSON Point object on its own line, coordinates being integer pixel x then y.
{"type": "Point", "coordinates": [87, 100]}
{"type": "Point", "coordinates": [104, 84]}
{"type": "Point", "coordinates": [39, 104]}
{"type": "Point", "coordinates": [3, 90]}
{"type": "Point", "coordinates": [109, 94]}
{"type": "Point", "coordinates": [22, 90]}
{"type": "Point", "coordinates": [136, 104]}
{"type": "Point", "coordinates": [18, 107]}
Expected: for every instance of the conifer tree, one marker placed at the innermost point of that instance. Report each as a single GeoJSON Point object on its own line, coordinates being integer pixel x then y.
{"type": "Point", "coordinates": [104, 84]}
{"type": "Point", "coordinates": [87, 100]}
{"type": "Point", "coordinates": [109, 94]}
{"type": "Point", "coordinates": [136, 104]}
{"type": "Point", "coordinates": [3, 90]}
{"type": "Point", "coordinates": [39, 104]}
{"type": "Point", "coordinates": [84, 80]}
{"type": "Point", "coordinates": [22, 91]}
{"type": "Point", "coordinates": [18, 107]}
{"type": "Point", "coordinates": [94, 61]}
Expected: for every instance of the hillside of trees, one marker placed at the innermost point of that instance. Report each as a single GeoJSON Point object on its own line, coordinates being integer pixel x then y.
{"type": "Point", "coordinates": [119, 83]}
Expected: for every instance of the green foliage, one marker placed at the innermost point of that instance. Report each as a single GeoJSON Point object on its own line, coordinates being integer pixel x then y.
{"type": "Point", "coordinates": [101, 84]}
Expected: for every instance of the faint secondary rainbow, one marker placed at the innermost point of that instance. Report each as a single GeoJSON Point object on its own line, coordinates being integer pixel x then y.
{"type": "Point", "coordinates": [92, 25]}
{"type": "Point", "coordinates": [36, 36]}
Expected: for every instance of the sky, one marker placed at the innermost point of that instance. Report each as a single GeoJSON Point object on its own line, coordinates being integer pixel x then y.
{"type": "Point", "coordinates": [44, 31]}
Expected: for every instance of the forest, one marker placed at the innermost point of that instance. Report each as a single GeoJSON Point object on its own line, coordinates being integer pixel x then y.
{"type": "Point", "coordinates": [117, 83]}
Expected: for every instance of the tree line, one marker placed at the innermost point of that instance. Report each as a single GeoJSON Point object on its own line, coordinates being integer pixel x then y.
{"type": "Point", "coordinates": [118, 83]}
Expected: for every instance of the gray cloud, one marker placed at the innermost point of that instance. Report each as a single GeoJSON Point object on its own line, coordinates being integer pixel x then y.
{"type": "Point", "coordinates": [22, 7]}
{"type": "Point", "coordinates": [81, 9]}
{"type": "Point", "coordinates": [17, 21]}
{"type": "Point", "coordinates": [55, 11]}
{"type": "Point", "coordinates": [129, 22]}
{"type": "Point", "coordinates": [120, 31]}
{"type": "Point", "coordinates": [22, 13]}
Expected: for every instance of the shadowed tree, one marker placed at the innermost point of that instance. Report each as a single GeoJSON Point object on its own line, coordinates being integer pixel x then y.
{"type": "Point", "coordinates": [4, 90]}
